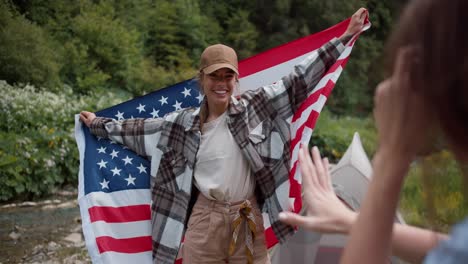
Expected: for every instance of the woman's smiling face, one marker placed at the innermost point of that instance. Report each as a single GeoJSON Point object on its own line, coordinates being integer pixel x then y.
{"type": "Point", "coordinates": [218, 86]}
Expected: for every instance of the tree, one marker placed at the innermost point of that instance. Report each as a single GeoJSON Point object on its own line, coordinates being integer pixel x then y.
{"type": "Point", "coordinates": [27, 52]}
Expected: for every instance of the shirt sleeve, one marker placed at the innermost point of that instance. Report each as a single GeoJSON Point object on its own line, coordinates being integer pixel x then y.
{"type": "Point", "coordinates": [139, 135]}
{"type": "Point", "coordinates": [288, 94]}
{"type": "Point", "coordinates": [452, 251]}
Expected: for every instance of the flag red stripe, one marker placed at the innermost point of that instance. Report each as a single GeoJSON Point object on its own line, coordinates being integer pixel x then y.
{"type": "Point", "coordinates": [295, 190]}
{"type": "Point", "coordinates": [289, 51]}
{"type": "Point", "coordinates": [326, 90]}
{"type": "Point", "coordinates": [124, 245]}
{"type": "Point", "coordinates": [311, 120]}
{"type": "Point", "coordinates": [120, 214]}
{"type": "Point", "coordinates": [270, 238]}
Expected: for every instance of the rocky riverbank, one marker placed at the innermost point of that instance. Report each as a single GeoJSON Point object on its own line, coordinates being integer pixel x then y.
{"type": "Point", "coordinates": [47, 231]}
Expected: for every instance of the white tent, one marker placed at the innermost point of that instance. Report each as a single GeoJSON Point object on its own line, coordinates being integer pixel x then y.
{"type": "Point", "coordinates": [350, 179]}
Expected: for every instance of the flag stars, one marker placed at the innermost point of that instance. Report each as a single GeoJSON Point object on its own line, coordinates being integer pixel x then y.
{"type": "Point", "coordinates": [119, 115]}
{"type": "Point", "coordinates": [155, 113]}
{"type": "Point", "coordinates": [101, 150]}
{"type": "Point", "coordinates": [141, 108]}
{"type": "Point", "coordinates": [186, 92]}
{"type": "Point", "coordinates": [114, 154]}
{"type": "Point", "coordinates": [130, 180]}
{"type": "Point", "coordinates": [177, 105]}
{"type": "Point", "coordinates": [200, 97]}
{"type": "Point", "coordinates": [104, 184]}
{"type": "Point", "coordinates": [116, 171]}
{"type": "Point", "coordinates": [141, 168]}
{"type": "Point", "coordinates": [163, 100]}
{"type": "Point", "coordinates": [127, 160]}
{"type": "Point", "coordinates": [102, 164]}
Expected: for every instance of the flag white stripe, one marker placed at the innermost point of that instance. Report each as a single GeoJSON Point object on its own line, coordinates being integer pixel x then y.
{"type": "Point", "coordinates": [125, 258]}
{"type": "Point", "coordinates": [264, 77]}
{"type": "Point", "coordinates": [122, 230]}
{"type": "Point", "coordinates": [80, 141]}
{"type": "Point", "coordinates": [305, 115]}
{"type": "Point", "coordinates": [119, 198]}
{"type": "Point", "coordinates": [307, 133]}
{"type": "Point", "coordinates": [90, 238]}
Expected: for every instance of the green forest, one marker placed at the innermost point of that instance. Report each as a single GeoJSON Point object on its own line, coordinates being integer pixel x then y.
{"type": "Point", "coordinates": [60, 57]}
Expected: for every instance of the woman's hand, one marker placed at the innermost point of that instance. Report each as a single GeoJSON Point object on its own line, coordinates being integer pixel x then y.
{"type": "Point", "coordinates": [402, 116]}
{"type": "Point", "coordinates": [87, 117]}
{"type": "Point", "coordinates": [325, 213]}
{"type": "Point", "coordinates": [357, 22]}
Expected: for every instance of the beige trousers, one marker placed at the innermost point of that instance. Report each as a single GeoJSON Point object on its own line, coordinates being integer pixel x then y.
{"type": "Point", "coordinates": [209, 234]}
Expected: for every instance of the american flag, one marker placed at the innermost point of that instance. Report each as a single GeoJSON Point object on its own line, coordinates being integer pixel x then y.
{"type": "Point", "coordinates": [114, 195]}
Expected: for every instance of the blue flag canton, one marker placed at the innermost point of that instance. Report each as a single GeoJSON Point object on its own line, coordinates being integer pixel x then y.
{"type": "Point", "coordinates": [109, 166]}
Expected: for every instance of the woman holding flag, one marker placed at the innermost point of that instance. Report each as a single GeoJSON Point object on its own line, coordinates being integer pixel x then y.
{"type": "Point", "coordinates": [218, 169]}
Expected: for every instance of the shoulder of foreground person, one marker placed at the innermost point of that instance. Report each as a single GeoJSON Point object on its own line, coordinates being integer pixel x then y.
{"type": "Point", "coordinates": [454, 249]}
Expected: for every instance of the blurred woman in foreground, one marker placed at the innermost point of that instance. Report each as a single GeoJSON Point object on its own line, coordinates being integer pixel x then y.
{"type": "Point", "coordinates": [427, 91]}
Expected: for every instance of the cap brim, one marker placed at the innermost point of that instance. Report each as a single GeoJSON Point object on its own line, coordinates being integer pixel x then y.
{"type": "Point", "coordinates": [217, 66]}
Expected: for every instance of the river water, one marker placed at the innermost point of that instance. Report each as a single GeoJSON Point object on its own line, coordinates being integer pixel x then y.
{"type": "Point", "coordinates": [47, 231]}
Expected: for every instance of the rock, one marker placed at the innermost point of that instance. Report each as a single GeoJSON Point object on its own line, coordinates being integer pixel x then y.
{"type": "Point", "coordinates": [19, 228]}
{"type": "Point", "coordinates": [9, 205]}
{"type": "Point", "coordinates": [73, 259]}
{"type": "Point", "coordinates": [15, 236]}
{"type": "Point", "coordinates": [77, 229]}
{"type": "Point", "coordinates": [67, 193]}
{"type": "Point", "coordinates": [49, 207]}
{"type": "Point", "coordinates": [74, 238]}
{"type": "Point", "coordinates": [52, 246]}
{"type": "Point", "coordinates": [27, 204]}
{"type": "Point", "coordinates": [68, 204]}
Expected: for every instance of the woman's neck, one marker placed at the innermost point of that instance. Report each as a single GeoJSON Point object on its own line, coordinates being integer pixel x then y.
{"type": "Point", "coordinates": [215, 111]}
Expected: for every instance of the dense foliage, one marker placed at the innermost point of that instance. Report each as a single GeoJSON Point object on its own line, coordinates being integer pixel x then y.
{"type": "Point", "coordinates": [143, 45]}
{"type": "Point", "coordinates": [434, 194]}
{"type": "Point", "coordinates": [37, 147]}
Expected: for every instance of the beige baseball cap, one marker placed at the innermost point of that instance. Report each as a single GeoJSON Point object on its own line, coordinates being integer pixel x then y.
{"type": "Point", "coordinates": [218, 56]}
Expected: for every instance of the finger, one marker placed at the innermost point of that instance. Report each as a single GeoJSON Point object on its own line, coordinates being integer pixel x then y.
{"type": "Point", "coordinates": [312, 168]}
{"type": "Point", "coordinates": [327, 172]}
{"type": "Point", "coordinates": [362, 13]}
{"type": "Point", "coordinates": [400, 90]}
{"type": "Point", "coordinates": [358, 12]}
{"type": "Point", "coordinates": [380, 101]}
{"type": "Point", "coordinates": [294, 219]}
{"type": "Point", "coordinates": [308, 177]}
{"type": "Point", "coordinates": [402, 66]}
{"type": "Point", "coordinates": [82, 117]}
{"type": "Point", "coordinates": [318, 165]}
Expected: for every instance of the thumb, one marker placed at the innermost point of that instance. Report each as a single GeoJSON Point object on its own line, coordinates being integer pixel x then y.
{"type": "Point", "coordinates": [293, 219]}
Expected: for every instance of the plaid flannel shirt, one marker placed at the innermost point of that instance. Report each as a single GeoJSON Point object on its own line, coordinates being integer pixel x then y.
{"type": "Point", "coordinates": [259, 122]}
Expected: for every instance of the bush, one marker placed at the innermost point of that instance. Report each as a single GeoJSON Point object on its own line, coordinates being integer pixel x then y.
{"type": "Point", "coordinates": [334, 134]}
{"type": "Point", "coordinates": [37, 146]}
{"type": "Point", "coordinates": [433, 194]}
